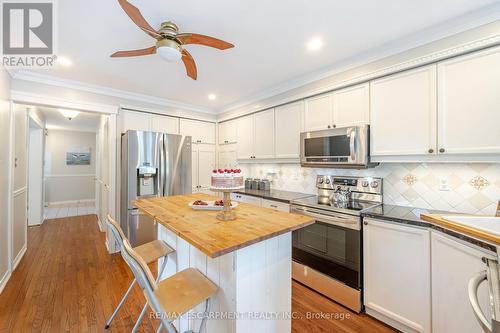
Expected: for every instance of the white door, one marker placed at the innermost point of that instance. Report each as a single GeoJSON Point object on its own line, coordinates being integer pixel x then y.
{"type": "Point", "coordinates": [351, 106]}
{"type": "Point", "coordinates": [403, 113]}
{"type": "Point", "coordinates": [264, 134]}
{"type": "Point", "coordinates": [245, 137]}
{"type": "Point", "coordinates": [318, 113]}
{"type": "Point", "coordinates": [138, 121]}
{"type": "Point", "coordinates": [469, 101]}
{"type": "Point", "coordinates": [289, 122]}
{"type": "Point", "coordinates": [206, 163]}
{"type": "Point", "coordinates": [397, 275]}
{"type": "Point", "coordinates": [164, 124]}
{"type": "Point", "coordinates": [227, 132]}
{"type": "Point", "coordinates": [200, 131]}
{"type": "Point", "coordinates": [453, 265]}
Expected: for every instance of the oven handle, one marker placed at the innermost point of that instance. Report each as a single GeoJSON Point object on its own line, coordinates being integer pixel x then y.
{"type": "Point", "coordinates": [347, 222]}
{"type": "Point", "coordinates": [352, 144]}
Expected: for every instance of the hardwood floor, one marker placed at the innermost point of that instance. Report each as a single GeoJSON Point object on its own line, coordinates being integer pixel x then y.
{"type": "Point", "coordinates": [67, 282]}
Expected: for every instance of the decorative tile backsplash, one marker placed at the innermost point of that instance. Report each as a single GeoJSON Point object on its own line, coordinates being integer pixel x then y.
{"type": "Point", "coordinates": [466, 188]}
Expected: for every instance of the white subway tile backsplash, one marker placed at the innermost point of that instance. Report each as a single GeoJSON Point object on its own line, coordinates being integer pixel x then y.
{"type": "Point", "coordinates": [472, 188]}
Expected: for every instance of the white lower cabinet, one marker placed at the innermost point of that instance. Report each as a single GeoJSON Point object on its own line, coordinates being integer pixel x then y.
{"type": "Point", "coordinates": [453, 265]}
{"type": "Point", "coordinates": [397, 274]}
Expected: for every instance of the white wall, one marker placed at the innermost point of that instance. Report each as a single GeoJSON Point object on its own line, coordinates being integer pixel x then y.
{"type": "Point", "coordinates": [4, 176]}
{"type": "Point", "coordinates": [69, 182]}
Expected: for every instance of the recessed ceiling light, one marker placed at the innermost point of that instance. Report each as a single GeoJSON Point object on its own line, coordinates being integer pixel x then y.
{"type": "Point", "coordinates": [63, 61]}
{"type": "Point", "coordinates": [315, 44]}
{"type": "Point", "coordinates": [70, 114]}
{"type": "Point", "coordinates": [212, 97]}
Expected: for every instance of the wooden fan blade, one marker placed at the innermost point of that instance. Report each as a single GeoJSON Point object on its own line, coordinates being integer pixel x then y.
{"type": "Point", "coordinates": [135, 53]}
{"type": "Point", "coordinates": [190, 65]}
{"type": "Point", "coordinates": [136, 16]}
{"type": "Point", "coordinates": [189, 38]}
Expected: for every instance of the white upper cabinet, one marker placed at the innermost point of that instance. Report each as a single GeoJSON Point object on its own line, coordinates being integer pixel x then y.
{"type": "Point", "coordinates": [289, 122]}
{"type": "Point", "coordinates": [200, 131]}
{"type": "Point", "coordinates": [143, 121]}
{"type": "Point", "coordinates": [164, 124]}
{"type": "Point", "coordinates": [397, 275]}
{"type": "Point", "coordinates": [255, 136]}
{"type": "Point", "coordinates": [264, 134]}
{"type": "Point", "coordinates": [227, 132]}
{"type": "Point", "coordinates": [403, 113]}
{"type": "Point", "coordinates": [245, 139]}
{"type": "Point", "coordinates": [469, 103]}
{"type": "Point", "coordinates": [351, 106]}
{"type": "Point", "coordinates": [453, 265]}
{"type": "Point", "coordinates": [318, 112]}
{"type": "Point", "coordinates": [134, 121]}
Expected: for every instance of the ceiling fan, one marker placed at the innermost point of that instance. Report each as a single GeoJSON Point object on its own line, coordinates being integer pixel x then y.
{"type": "Point", "coordinates": [169, 42]}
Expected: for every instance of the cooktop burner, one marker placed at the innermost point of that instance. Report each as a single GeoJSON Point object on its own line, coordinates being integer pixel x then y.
{"type": "Point", "coordinates": [352, 207]}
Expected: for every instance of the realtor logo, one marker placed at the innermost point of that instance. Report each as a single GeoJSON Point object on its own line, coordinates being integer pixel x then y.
{"type": "Point", "coordinates": [28, 30]}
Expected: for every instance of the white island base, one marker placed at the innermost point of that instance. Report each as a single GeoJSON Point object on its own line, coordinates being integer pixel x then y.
{"type": "Point", "coordinates": [254, 285]}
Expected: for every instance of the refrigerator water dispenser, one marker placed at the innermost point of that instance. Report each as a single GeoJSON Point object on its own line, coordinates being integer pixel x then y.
{"type": "Point", "coordinates": [146, 180]}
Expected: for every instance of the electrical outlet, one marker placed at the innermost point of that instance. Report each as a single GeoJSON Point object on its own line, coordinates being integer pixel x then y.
{"type": "Point", "coordinates": [443, 184]}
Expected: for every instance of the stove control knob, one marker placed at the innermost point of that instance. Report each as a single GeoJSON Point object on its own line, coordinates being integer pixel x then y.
{"type": "Point", "coordinates": [374, 184]}
{"type": "Point", "coordinates": [320, 180]}
{"type": "Point", "coordinates": [365, 183]}
{"type": "Point", "coordinates": [328, 181]}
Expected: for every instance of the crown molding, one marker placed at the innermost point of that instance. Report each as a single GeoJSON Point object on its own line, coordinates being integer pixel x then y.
{"type": "Point", "coordinates": [435, 33]}
{"type": "Point", "coordinates": [107, 91]}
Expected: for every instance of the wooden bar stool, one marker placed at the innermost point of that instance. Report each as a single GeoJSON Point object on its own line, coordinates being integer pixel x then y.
{"type": "Point", "coordinates": [149, 253]}
{"type": "Point", "coordinates": [174, 296]}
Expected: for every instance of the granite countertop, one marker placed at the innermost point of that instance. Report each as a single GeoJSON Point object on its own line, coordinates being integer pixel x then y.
{"type": "Point", "coordinates": [412, 216]}
{"type": "Point", "coordinates": [278, 195]}
{"type": "Point", "coordinates": [402, 214]}
{"type": "Point", "coordinates": [213, 237]}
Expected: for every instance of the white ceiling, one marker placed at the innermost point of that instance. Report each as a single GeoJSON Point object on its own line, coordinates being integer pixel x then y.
{"type": "Point", "coordinates": [270, 38]}
{"type": "Point", "coordinates": [84, 122]}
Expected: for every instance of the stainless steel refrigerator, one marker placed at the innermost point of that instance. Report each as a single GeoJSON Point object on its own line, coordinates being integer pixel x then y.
{"type": "Point", "coordinates": [153, 165]}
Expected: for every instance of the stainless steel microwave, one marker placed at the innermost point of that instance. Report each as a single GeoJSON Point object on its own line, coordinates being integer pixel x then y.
{"type": "Point", "coordinates": [346, 147]}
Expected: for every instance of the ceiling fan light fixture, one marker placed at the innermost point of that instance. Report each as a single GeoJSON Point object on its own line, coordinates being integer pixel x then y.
{"type": "Point", "coordinates": [169, 50]}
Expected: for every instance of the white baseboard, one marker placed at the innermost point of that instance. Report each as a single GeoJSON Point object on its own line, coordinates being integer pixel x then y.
{"type": "Point", "coordinates": [18, 258]}
{"type": "Point", "coordinates": [68, 202]}
{"type": "Point", "coordinates": [4, 280]}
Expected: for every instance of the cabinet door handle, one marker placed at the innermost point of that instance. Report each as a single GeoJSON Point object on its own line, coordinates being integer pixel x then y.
{"type": "Point", "coordinates": [365, 222]}
{"type": "Point", "coordinates": [442, 150]}
{"type": "Point", "coordinates": [274, 206]}
{"type": "Point", "coordinates": [334, 126]}
{"type": "Point", "coordinates": [329, 126]}
{"type": "Point", "coordinates": [431, 151]}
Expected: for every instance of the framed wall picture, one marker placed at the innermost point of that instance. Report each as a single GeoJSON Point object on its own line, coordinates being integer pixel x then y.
{"type": "Point", "coordinates": [78, 156]}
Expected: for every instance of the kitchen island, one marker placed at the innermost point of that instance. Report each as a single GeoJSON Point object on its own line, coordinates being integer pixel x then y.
{"type": "Point", "coordinates": [249, 258]}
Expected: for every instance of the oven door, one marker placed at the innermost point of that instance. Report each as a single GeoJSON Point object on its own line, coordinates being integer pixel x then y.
{"type": "Point", "coordinates": [331, 246]}
{"type": "Point", "coordinates": [340, 146]}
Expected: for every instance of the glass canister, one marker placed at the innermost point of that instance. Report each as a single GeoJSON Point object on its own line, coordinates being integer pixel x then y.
{"type": "Point", "coordinates": [248, 183]}
{"type": "Point", "coordinates": [255, 184]}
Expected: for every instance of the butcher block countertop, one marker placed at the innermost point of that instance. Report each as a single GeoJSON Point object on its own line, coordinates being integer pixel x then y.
{"type": "Point", "coordinates": [470, 230]}
{"type": "Point", "coordinates": [213, 237]}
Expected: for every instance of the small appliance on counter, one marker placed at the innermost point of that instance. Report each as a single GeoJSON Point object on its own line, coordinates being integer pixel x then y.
{"type": "Point", "coordinates": [327, 255]}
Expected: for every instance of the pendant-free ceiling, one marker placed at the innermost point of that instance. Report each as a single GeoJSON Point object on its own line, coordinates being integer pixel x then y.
{"type": "Point", "coordinates": [169, 42]}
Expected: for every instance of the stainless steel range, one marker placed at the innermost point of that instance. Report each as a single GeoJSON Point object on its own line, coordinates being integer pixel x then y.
{"type": "Point", "coordinates": [327, 254]}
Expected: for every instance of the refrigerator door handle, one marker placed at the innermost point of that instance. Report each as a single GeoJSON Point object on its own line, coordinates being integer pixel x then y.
{"type": "Point", "coordinates": [473, 286]}
{"type": "Point", "coordinates": [161, 168]}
